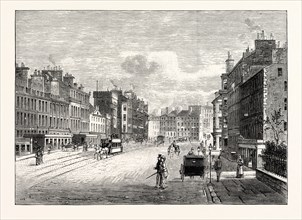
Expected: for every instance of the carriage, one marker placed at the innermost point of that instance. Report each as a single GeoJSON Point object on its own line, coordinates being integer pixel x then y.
{"type": "Point", "coordinates": [193, 165]}
{"type": "Point", "coordinates": [160, 140]}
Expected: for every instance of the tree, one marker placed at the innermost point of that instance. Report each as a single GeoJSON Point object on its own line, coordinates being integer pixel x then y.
{"type": "Point", "coordinates": [274, 123]}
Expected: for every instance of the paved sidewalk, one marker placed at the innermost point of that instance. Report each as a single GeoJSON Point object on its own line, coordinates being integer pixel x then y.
{"type": "Point", "coordinates": [244, 192]}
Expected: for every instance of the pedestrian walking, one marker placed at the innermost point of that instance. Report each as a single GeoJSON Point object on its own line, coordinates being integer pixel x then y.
{"type": "Point", "coordinates": [163, 172]}
{"type": "Point", "coordinates": [39, 156]}
{"type": "Point", "coordinates": [191, 152]}
{"type": "Point", "coordinates": [218, 168]}
{"type": "Point", "coordinates": [199, 152]}
{"type": "Point", "coordinates": [157, 168]}
{"type": "Point", "coordinates": [48, 149]}
{"type": "Point", "coordinates": [201, 144]}
{"type": "Point", "coordinates": [239, 167]}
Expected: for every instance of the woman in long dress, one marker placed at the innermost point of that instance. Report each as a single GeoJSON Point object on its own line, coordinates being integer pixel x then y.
{"type": "Point", "coordinates": [239, 167]}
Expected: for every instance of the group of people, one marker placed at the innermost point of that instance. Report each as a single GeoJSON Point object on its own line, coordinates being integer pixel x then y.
{"type": "Point", "coordinates": [161, 172]}
{"type": "Point", "coordinates": [218, 167]}
{"type": "Point", "coordinates": [198, 153]}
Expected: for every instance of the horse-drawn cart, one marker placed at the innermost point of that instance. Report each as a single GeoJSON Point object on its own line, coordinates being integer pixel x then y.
{"type": "Point", "coordinates": [193, 165]}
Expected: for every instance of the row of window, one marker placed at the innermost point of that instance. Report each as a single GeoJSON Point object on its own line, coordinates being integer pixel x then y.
{"type": "Point", "coordinates": [29, 119]}
{"type": "Point", "coordinates": [31, 104]}
{"type": "Point", "coordinates": [189, 129]}
{"type": "Point", "coordinates": [79, 96]}
{"type": "Point", "coordinates": [59, 109]}
{"type": "Point", "coordinates": [77, 125]}
{"type": "Point", "coordinates": [97, 127]}
{"type": "Point", "coordinates": [79, 112]}
{"type": "Point", "coordinates": [187, 134]}
{"type": "Point", "coordinates": [188, 124]}
{"type": "Point", "coordinates": [20, 133]}
{"type": "Point", "coordinates": [41, 106]}
{"type": "Point", "coordinates": [97, 119]}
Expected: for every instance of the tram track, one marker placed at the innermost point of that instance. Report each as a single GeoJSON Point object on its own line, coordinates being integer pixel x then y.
{"type": "Point", "coordinates": [42, 174]}
{"type": "Point", "coordinates": [60, 174]}
{"type": "Point", "coordinates": [55, 164]}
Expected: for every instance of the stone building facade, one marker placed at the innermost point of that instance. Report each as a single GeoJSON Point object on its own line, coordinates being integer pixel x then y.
{"type": "Point", "coordinates": [251, 62]}
{"type": "Point", "coordinates": [187, 122]}
{"type": "Point", "coordinates": [107, 102]}
{"type": "Point", "coordinates": [135, 116]}
{"type": "Point", "coordinates": [97, 126]}
{"type": "Point", "coordinates": [220, 116]}
{"type": "Point", "coordinates": [206, 124]}
{"type": "Point", "coordinates": [168, 125]}
{"type": "Point", "coordinates": [43, 106]}
{"type": "Point", "coordinates": [153, 127]}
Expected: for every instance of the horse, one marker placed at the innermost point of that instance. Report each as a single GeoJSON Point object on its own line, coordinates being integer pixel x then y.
{"type": "Point", "coordinates": [102, 151]}
{"type": "Point", "coordinates": [176, 149]}
{"type": "Point", "coordinates": [170, 151]}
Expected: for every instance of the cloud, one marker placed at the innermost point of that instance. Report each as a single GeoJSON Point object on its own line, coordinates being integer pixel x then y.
{"type": "Point", "coordinates": [139, 65]}
{"type": "Point", "coordinates": [251, 25]}
{"type": "Point", "coordinates": [68, 62]}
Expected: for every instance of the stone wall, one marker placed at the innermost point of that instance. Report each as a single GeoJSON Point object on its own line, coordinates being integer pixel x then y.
{"type": "Point", "coordinates": [275, 98]}
{"type": "Point", "coordinates": [279, 184]}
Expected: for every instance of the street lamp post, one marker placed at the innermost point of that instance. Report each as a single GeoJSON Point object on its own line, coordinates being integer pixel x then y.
{"type": "Point", "coordinates": [210, 153]}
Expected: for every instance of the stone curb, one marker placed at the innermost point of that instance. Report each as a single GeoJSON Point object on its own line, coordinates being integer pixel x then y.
{"type": "Point", "coordinates": [208, 194]}
{"type": "Point", "coordinates": [212, 194]}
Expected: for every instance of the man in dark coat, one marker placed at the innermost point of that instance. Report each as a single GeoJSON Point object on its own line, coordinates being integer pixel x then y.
{"type": "Point", "coordinates": [218, 167]}
{"type": "Point", "coordinates": [158, 168]}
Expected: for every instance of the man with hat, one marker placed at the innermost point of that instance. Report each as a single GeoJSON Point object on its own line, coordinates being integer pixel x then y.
{"type": "Point", "coordinates": [157, 167]}
{"type": "Point", "coordinates": [191, 152]}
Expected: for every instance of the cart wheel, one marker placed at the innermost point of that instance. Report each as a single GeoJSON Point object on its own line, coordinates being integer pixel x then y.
{"type": "Point", "coordinates": [182, 176]}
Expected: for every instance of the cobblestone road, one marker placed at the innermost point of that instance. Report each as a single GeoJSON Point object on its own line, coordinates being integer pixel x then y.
{"type": "Point", "coordinates": [77, 178]}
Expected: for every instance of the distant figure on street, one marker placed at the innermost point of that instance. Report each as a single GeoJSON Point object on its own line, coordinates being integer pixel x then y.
{"type": "Point", "coordinates": [48, 149]}
{"type": "Point", "coordinates": [191, 152]}
{"type": "Point", "coordinates": [201, 144]}
{"type": "Point", "coordinates": [39, 156]}
{"type": "Point", "coordinates": [199, 152]}
{"type": "Point", "coordinates": [218, 167]}
{"type": "Point", "coordinates": [239, 167]}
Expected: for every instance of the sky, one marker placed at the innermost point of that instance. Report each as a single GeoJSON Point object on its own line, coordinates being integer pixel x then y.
{"type": "Point", "coordinates": [169, 58]}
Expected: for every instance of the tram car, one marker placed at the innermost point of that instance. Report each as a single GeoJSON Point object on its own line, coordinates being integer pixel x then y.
{"type": "Point", "coordinates": [116, 146]}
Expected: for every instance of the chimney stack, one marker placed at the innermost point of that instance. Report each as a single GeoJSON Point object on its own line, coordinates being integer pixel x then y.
{"type": "Point", "coordinates": [229, 63]}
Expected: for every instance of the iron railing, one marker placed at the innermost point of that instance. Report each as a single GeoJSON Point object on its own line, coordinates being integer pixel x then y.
{"type": "Point", "coordinates": [275, 165]}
